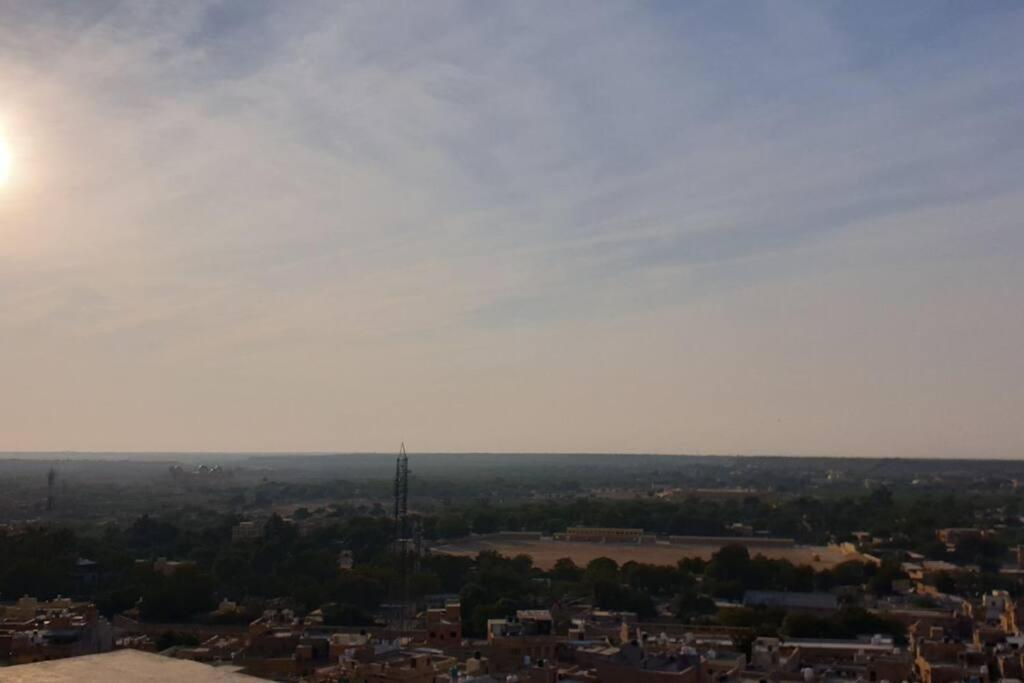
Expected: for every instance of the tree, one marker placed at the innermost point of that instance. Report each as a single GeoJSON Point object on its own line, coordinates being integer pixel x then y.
{"type": "Point", "coordinates": [653, 579]}
{"type": "Point", "coordinates": [691, 605]}
{"type": "Point", "coordinates": [477, 623]}
{"type": "Point", "coordinates": [730, 563]}
{"type": "Point", "coordinates": [368, 537]}
{"type": "Point", "coordinates": [485, 522]}
{"type": "Point", "coordinates": [980, 550]}
{"type": "Point", "coordinates": [553, 525]}
{"type": "Point", "coordinates": [807, 626]}
{"type": "Point", "coordinates": [522, 563]}
{"type": "Point", "coordinates": [880, 497]}
{"type": "Point", "coordinates": [602, 569]}
{"type": "Point", "coordinates": [424, 583]}
{"type": "Point", "coordinates": [613, 596]}
{"type": "Point", "coordinates": [849, 573]}
{"type": "Point", "coordinates": [566, 570]}
{"type": "Point", "coordinates": [608, 594]}
{"type": "Point", "coordinates": [451, 570]}
{"type": "Point", "coordinates": [452, 526]}
{"type": "Point", "coordinates": [360, 590]}
{"type": "Point", "coordinates": [847, 623]}
{"type": "Point", "coordinates": [881, 582]}
{"type": "Point", "coordinates": [178, 597]}
{"type": "Point", "coordinates": [762, 621]}
{"type": "Point", "coordinates": [345, 614]}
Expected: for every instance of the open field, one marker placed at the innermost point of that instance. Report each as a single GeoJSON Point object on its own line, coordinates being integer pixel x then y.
{"type": "Point", "coordinates": [546, 552]}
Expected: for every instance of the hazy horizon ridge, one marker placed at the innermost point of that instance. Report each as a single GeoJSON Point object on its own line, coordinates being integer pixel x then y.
{"type": "Point", "coordinates": [156, 455]}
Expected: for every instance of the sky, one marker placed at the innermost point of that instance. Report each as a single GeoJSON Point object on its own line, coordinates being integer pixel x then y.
{"type": "Point", "coordinates": [754, 228]}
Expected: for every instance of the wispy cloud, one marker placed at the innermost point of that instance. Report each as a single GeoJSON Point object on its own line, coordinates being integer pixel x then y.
{"type": "Point", "coordinates": [273, 225]}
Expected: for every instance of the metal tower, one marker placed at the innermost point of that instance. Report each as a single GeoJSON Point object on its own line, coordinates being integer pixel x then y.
{"type": "Point", "coordinates": [402, 530]}
{"type": "Point", "coordinates": [51, 479]}
{"type": "Point", "coordinates": [403, 483]}
{"type": "Point", "coordinates": [401, 494]}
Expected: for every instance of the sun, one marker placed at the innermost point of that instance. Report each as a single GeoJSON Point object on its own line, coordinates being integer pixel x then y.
{"type": "Point", "coordinates": [6, 160]}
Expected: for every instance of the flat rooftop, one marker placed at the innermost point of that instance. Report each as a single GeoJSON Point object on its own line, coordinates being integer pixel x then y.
{"type": "Point", "coordinates": [119, 665]}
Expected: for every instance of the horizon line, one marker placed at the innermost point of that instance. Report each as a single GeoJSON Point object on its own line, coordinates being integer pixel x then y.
{"type": "Point", "coordinates": [4, 454]}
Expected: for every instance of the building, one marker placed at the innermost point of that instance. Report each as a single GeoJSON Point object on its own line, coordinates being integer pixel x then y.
{"type": "Point", "coordinates": [228, 608]}
{"type": "Point", "coordinates": [346, 560]}
{"type": "Point", "coordinates": [873, 658]}
{"type": "Point", "coordinates": [356, 646]}
{"type": "Point", "coordinates": [603, 535]}
{"type": "Point", "coordinates": [444, 625]}
{"type": "Point", "coordinates": [527, 638]}
{"type": "Point", "coordinates": [923, 619]}
{"type": "Point", "coordinates": [171, 567]}
{"type": "Point", "coordinates": [821, 604]}
{"type": "Point", "coordinates": [928, 571]}
{"type": "Point", "coordinates": [389, 665]}
{"type": "Point", "coordinates": [997, 608]}
{"type": "Point", "coordinates": [120, 665]}
{"type": "Point", "coordinates": [247, 531]}
{"type": "Point", "coordinates": [600, 624]}
{"type": "Point", "coordinates": [949, 662]}
{"type": "Point", "coordinates": [32, 630]}
{"type": "Point", "coordinates": [214, 649]}
{"type": "Point", "coordinates": [86, 575]}
{"type": "Point", "coordinates": [635, 663]}
{"type": "Point", "coordinates": [275, 634]}
{"type": "Point", "coordinates": [956, 536]}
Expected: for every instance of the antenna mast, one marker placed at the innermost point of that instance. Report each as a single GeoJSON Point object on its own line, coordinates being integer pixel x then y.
{"type": "Point", "coordinates": [402, 529]}
{"type": "Point", "coordinates": [51, 478]}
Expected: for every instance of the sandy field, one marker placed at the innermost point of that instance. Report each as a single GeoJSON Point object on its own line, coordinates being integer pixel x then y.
{"type": "Point", "coordinates": [545, 553]}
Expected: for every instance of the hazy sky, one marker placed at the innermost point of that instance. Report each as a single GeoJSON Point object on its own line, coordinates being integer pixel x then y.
{"type": "Point", "coordinates": [730, 227]}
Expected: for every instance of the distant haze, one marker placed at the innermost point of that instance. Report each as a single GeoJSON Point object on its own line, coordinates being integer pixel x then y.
{"type": "Point", "coordinates": [513, 226]}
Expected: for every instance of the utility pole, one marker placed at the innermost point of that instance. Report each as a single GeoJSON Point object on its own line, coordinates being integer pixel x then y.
{"type": "Point", "coordinates": [401, 491]}
{"type": "Point", "coordinates": [51, 479]}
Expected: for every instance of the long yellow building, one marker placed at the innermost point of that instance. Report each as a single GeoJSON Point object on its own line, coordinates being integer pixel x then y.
{"type": "Point", "coordinates": [594, 534]}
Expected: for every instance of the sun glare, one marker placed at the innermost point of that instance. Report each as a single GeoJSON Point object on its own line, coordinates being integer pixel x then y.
{"type": "Point", "coordinates": [6, 160]}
